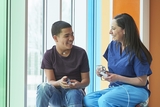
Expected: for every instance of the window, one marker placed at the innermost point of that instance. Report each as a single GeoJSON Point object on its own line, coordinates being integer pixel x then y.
{"type": "Point", "coordinates": [41, 15]}
{"type": "Point", "coordinates": [35, 49]}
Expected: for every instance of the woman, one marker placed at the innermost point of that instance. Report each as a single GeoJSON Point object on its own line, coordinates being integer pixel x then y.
{"type": "Point", "coordinates": [129, 66]}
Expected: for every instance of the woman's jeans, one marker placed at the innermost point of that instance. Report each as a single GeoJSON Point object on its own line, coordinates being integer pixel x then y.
{"type": "Point", "coordinates": [118, 96]}
{"type": "Point", "coordinates": [58, 97]}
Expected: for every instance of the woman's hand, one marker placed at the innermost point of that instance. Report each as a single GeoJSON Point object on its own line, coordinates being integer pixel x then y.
{"type": "Point", "coordinates": [111, 77]}
{"type": "Point", "coordinates": [137, 81]}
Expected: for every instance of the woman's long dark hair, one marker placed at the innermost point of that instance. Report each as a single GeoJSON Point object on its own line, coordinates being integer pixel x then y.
{"type": "Point", "coordinates": [132, 38]}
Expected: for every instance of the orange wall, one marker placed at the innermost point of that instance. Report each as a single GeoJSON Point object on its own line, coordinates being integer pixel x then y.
{"type": "Point", "coordinates": [127, 6]}
{"type": "Point", "coordinates": [105, 35]}
{"type": "Point", "coordinates": [155, 51]}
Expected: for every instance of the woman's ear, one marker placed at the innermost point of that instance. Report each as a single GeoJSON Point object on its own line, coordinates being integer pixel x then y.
{"type": "Point", "coordinates": [123, 31]}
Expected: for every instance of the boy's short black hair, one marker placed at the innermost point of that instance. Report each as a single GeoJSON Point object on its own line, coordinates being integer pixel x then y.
{"type": "Point", "coordinates": [57, 26]}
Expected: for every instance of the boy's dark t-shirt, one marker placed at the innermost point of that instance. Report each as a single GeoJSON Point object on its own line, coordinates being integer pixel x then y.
{"type": "Point", "coordinates": [71, 66]}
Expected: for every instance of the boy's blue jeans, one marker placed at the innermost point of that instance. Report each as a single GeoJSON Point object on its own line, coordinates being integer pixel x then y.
{"type": "Point", "coordinates": [58, 97]}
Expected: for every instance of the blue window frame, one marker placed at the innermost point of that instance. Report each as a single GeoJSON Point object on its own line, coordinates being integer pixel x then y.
{"type": "Point", "coordinates": [94, 41]}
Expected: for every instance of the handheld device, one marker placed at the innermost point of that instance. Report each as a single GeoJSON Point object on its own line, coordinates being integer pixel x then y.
{"type": "Point", "coordinates": [102, 70]}
{"type": "Point", "coordinates": [68, 81]}
{"type": "Point", "coordinates": [103, 74]}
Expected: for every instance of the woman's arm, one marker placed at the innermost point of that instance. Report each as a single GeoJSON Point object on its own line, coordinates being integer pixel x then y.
{"type": "Point", "coordinates": [138, 81]}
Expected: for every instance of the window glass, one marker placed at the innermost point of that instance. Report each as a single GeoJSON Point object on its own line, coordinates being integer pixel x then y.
{"type": "Point", "coordinates": [35, 49]}
{"type": "Point", "coordinates": [67, 10]}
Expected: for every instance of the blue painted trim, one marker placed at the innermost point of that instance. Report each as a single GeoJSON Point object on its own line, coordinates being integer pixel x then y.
{"type": "Point", "coordinates": [98, 42]}
{"type": "Point", "coordinates": [90, 43]}
{"type": "Point", "coordinates": [94, 42]}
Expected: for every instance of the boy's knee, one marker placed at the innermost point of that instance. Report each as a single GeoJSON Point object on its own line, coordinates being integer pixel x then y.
{"type": "Point", "coordinates": [42, 87]}
{"type": "Point", "coordinates": [74, 95]}
{"type": "Point", "coordinates": [74, 92]}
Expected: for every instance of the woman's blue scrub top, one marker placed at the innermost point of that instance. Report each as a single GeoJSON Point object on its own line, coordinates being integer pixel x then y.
{"type": "Point", "coordinates": [119, 63]}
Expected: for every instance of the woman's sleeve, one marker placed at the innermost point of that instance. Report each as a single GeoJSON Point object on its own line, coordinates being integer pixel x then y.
{"type": "Point", "coordinates": [141, 68]}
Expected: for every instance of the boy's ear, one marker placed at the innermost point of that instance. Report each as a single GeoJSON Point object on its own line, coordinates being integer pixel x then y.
{"type": "Point", "coordinates": [55, 38]}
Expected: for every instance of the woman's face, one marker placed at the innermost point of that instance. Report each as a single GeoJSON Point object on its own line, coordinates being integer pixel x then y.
{"type": "Point", "coordinates": [116, 31]}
